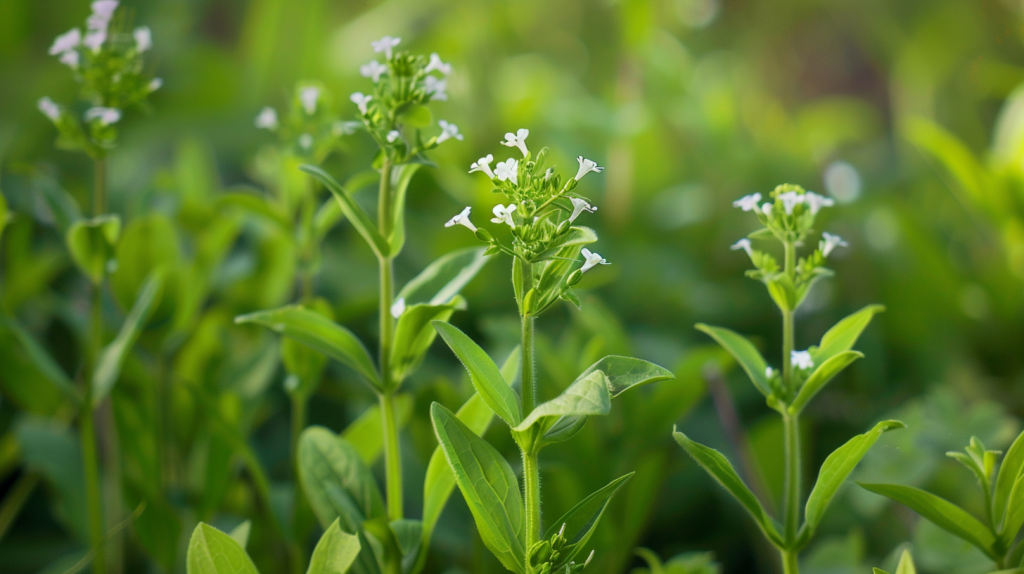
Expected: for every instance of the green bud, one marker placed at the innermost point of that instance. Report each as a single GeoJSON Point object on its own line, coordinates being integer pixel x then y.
{"type": "Point", "coordinates": [484, 235]}
{"type": "Point", "coordinates": [529, 302]}
{"type": "Point", "coordinates": [563, 227]}
{"type": "Point", "coordinates": [574, 278]}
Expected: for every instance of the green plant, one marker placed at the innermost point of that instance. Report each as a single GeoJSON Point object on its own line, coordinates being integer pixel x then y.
{"type": "Point", "coordinates": [546, 265]}
{"type": "Point", "coordinates": [789, 220]}
{"type": "Point", "coordinates": [905, 565]}
{"type": "Point", "coordinates": [211, 551]}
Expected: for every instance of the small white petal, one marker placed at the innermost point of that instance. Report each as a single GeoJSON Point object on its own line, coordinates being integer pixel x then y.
{"type": "Point", "coordinates": [503, 214]}
{"type": "Point", "coordinates": [483, 164]}
{"type": "Point", "coordinates": [801, 359]}
{"type": "Point", "coordinates": [385, 44]}
{"type": "Point", "coordinates": [743, 244]}
{"type": "Point", "coordinates": [49, 108]}
{"type": "Point", "coordinates": [373, 70]}
{"type": "Point", "coordinates": [360, 101]}
{"type": "Point", "coordinates": [829, 242]}
{"type": "Point", "coordinates": [747, 202]}
{"type": "Point", "coordinates": [507, 170]}
{"type": "Point", "coordinates": [448, 131]}
{"type": "Point", "coordinates": [462, 219]}
{"type": "Point", "coordinates": [579, 206]}
{"type": "Point", "coordinates": [267, 119]}
{"type": "Point", "coordinates": [518, 140]}
{"type": "Point", "coordinates": [586, 166]}
{"type": "Point", "coordinates": [155, 84]}
{"type": "Point", "coordinates": [143, 38]}
{"type": "Point", "coordinates": [306, 141]}
{"type": "Point", "coordinates": [591, 260]}
{"type": "Point", "coordinates": [436, 64]}
{"type": "Point", "coordinates": [308, 96]}
{"type": "Point", "coordinates": [106, 116]}
{"type": "Point", "coordinates": [67, 41]}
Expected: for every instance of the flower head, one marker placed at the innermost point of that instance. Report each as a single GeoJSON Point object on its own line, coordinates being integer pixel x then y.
{"type": "Point", "coordinates": [94, 39]}
{"type": "Point", "coordinates": [309, 96]}
{"type": "Point", "coordinates": [267, 119]}
{"type": "Point", "coordinates": [361, 101]}
{"type": "Point", "coordinates": [829, 242]}
{"type": "Point", "coordinates": [507, 170]}
{"type": "Point", "coordinates": [437, 88]}
{"type": "Point", "coordinates": [483, 164]}
{"type": "Point", "coordinates": [437, 64]}
{"type": "Point", "coordinates": [102, 12]}
{"type": "Point", "coordinates": [591, 260]}
{"type": "Point", "coordinates": [66, 42]}
{"type": "Point", "coordinates": [155, 84]}
{"type": "Point", "coordinates": [518, 140]}
{"type": "Point", "coordinates": [372, 69]}
{"type": "Point", "coordinates": [743, 244]}
{"type": "Point", "coordinates": [398, 307]}
{"type": "Point", "coordinates": [448, 131]}
{"type": "Point", "coordinates": [586, 166]}
{"type": "Point", "coordinates": [462, 219]}
{"type": "Point", "coordinates": [70, 59]}
{"type": "Point", "coordinates": [815, 202]}
{"type": "Point", "coordinates": [393, 135]}
{"type": "Point", "coordinates": [106, 116]}
{"type": "Point", "coordinates": [580, 205]}
{"type": "Point", "coordinates": [305, 141]}
{"type": "Point", "coordinates": [801, 359]}
{"type": "Point", "coordinates": [49, 108]}
{"type": "Point", "coordinates": [385, 45]}
{"type": "Point", "coordinates": [748, 202]}
{"type": "Point", "coordinates": [503, 214]}
{"type": "Point", "coordinates": [790, 200]}
{"type": "Point", "coordinates": [766, 209]}
{"type": "Point", "coordinates": [143, 38]}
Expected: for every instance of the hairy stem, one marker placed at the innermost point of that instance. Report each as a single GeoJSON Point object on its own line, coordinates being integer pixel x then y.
{"type": "Point", "coordinates": [789, 562]}
{"type": "Point", "coordinates": [392, 456]}
{"type": "Point", "coordinates": [531, 478]}
{"type": "Point", "coordinates": [528, 371]}
{"type": "Point", "coordinates": [791, 495]}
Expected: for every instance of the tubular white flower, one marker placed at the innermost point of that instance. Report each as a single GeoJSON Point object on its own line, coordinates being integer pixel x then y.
{"type": "Point", "coordinates": [393, 135]}
{"type": "Point", "coordinates": [591, 260]}
{"type": "Point", "coordinates": [518, 140]}
{"type": "Point", "coordinates": [483, 164]}
{"type": "Point", "coordinates": [790, 200]}
{"type": "Point", "coordinates": [155, 84]}
{"type": "Point", "coordinates": [586, 166]}
{"type": "Point", "coordinates": [373, 70]}
{"type": "Point", "coordinates": [448, 131]}
{"type": "Point", "coordinates": [70, 59]}
{"type": "Point", "coordinates": [748, 202]}
{"type": "Point", "coordinates": [103, 10]}
{"type": "Point", "coordinates": [815, 202]}
{"type": "Point", "coordinates": [94, 39]}
{"type": "Point", "coordinates": [398, 307]}
{"type": "Point", "coordinates": [507, 170]}
{"type": "Point", "coordinates": [548, 173]}
{"type": "Point", "coordinates": [49, 108]}
{"type": "Point", "coordinates": [766, 209]}
{"type": "Point", "coordinates": [436, 64]}
{"type": "Point", "coordinates": [385, 45]}
{"type": "Point", "coordinates": [361, 101]}
{"type": "Point", "coordinates": [437, 88]}
{"type": "Point", "coordinates": [267, 119]}
{"type": "Point", "coordinates": [503, 214]}
{"type": "Point", "coordinates": [309, 96]}
{"type": "Point", "coordinates": [801, 359]}
{"type": "Point", "coordinates": [743, 244]}
{"type": "Point", "coordinates": [97, 23]}
{"type": "Point", "coordinates": [462, 219]}
{"type": "Point", "coordinates": [143, 38]}
{"type": "Point", "coordinates": [305, 141]}
{"type": "Point", "coordinates": [106, 116]}
{"type": "Point", "coordinates": [66, 42]}
{"type": "Point", "coordinates": [579, 206]}
{"type": "Point", "coordinates": [829, 242]}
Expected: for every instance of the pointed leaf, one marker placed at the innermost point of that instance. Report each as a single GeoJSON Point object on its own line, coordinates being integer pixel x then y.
{"type": "Point", "coordinates": [564, 429]}
{"type": "Point", "coordinates": [486, 377]}
{"type": "Point", "coordinates": [400, 186]}
{"type": "Point", "coordinates": [581, 521]}
{"type": "Point", "coordinates": [820, 377]}
{"type": "Point", "coordinates": [1010, 470]}
{"type": "Point", "coordinates": [906, 564]}
{"type": "Point", "coordinates": [352, 210]}
{"type": "Point", "coordinates": [744, 352]}
{"type": "Point", "coordinates": [1014, 513]}
{"type": "Point", "coordinates": [335, 552]}
{"type": "Point", "coordinates": [625, 373]}
{"type": "Point", "coordinates": [240, 533]}
{"type": "Point", "coordinates": [414, 334]}
{"type": "Point", "coordinates": [844, 334]}
{"type": "Point", "coordinates": [587, 396]}
{"type": "Point", "coordinates": [575, 236]}
{"type": "Point", "coordinates": [211, 551]}
{"type": "Point", "coordinates": [442, 280]}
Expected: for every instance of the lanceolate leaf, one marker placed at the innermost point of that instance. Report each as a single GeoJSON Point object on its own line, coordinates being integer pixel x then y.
{"type": "Point", "coordinates": [744, 352]}
{"type": "Point", "coordinates": [400, 186]}
{"type": "Point", "coordinates": [414, 334]}
{"type": "Point", "coordinates": [722, 471]}
{"type": "Point", "coordinates": [1014, 513]}
{"type": "Point", "coordinates": [1009, 471]}
{"type": "Point", "coordinates": [837, 467]}
{"type": "Point", "coordinates": [442, 280]}
{"type": "Point", "coordinates": [582, 520]}
{"type": "Point", "coordinates": [211, 551]}
{"type": "Point", "coordinates": [319, 332]}
{"type": "Point", "coordinates": [486, 377]}
{"type": "Point", "coordinates": [488, 485]}
{"type": "Point", "coordinates": [941, 512]}
{"type": "Point", "coordinates": [241, 533]}
{"type": "Point", "coordinates": [575, 236]}
{"type": "Point", "coordinates": [335, 552]}
{"type": "Point", "coordinates": [821, 376]}
{"type": "Point", "coordinates": [587, 396]}
{"type": "Point", "coordinates": [625, 373]}
{"type": "Point", "coordinates": [843, 336]}
{"type": "Point", "coordinates": [352, 210]}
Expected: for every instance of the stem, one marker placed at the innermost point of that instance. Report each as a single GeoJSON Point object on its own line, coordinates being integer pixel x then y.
{"type": "Point", "coordinates": [529, 368]}
{"type": "Point", "coordinates": [789, 562]}
{"type": "Point", "coordinates": [531, 471]}
{"type": "Point", "coordinates": [392, 456]}
{"type": "Point", "coordinates": [298, 424]}
{"type": "Point", "coordinates": [17, 496]}
{"type": "Point", "coordinates": [791, 495]}
{"type": "Point", "coordinates": [99, 192]}
{"type": "Point", "coordinates": [531, 476]}
{"type": "Point", "coordinates": [787, 325]}
{"type": "Point", "coordinates": [87, 436]}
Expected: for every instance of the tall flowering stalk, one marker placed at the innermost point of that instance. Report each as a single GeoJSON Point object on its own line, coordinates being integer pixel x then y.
{"type": "Point", "coordinates": [549, 258]}
{"type": "Point", "coordinates": [789, 221]}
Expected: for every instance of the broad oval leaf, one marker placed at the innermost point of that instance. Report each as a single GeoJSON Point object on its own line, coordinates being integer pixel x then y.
{"type": "Point", "coordinates": [1010, 470]}
{"type": "Point", "coordinates": [587, 396]}
{"type": "Point", "coordinates": [91, 244]}
{"type": "Point", "coordinates": [821, 376]}
{"type": "Point", "coordinates": [487, 379]}
{"type": "Point", "coordinates": [414, 334]}
{"type": "Point", "coordinates": [319, 332]}
{"type": "Point", "coordinates": [352, 210]}
{"type": "Point", "coordinates": [744, 352]}
{"type": "Point", "coordinates": [625, 373]}
{"type": "Point", "coordinates": [581, 521]}
{"type": "Point", "coordinates": [844, 334]}
{"type": "Point", "coordinates": [442, 280]}
{"type": "Point", "coordinates": [211, 551]}
{"type": "Point", "coordinates": [335, 552]}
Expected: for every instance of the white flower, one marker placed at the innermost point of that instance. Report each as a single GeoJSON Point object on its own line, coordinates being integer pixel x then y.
{"type": "Point", "coordinates": [70, 59]}
{"type": "Point", "coordinates": [550, 172]}
{"type": "Point", "coordinates": [586, 166]}
{"type": "Point", "coordinates": [743, 244]}
{"type": "Point", "coordinates": [143, 38]}
{"type": "Point", "coordinates": [518, 140]}
{"type": "Point", "coordinates": [766, 209]}
{"type": "Point", "coordinates": [748, 202]}
{"type": "Point", "coordinates": [385, 45]}
{"type": "Point", "coordinates": [393, 135]}
{"type": "Point", "coordinates": [155, 84]}
{"type": "Point", "coordinates": [592, 260]}
{"type": "Point", "coordinates": [360, 100]}
{"type": "Point", "coordinates": [437, 64]}
{"type": "Point", "coordinates": [398, 307]}
{"type": "Point", "coordinates": [769, 372]}
{"type": "Point", "coordinates": [462, 219]}
{"type": "Point", "coordinates": [791, 199]}
{"type": "Point", "coordinates": [267, 119]}
{"type": "Point", "coordinates": [66, 42]}
{"type": "Point", "coordinates": [483, 164]}
{"type": "Point", "coordinates": [49, 108]}
{"type": "Point", "coordinates": [507, 170]}
{"type": "Point", "coordinates": [503, 214]}
{"type": "Point", "coordinates": [578, 207]}
{"type": "Point", "coordinates": [106, 116]}
{"type": "Point", "coordinates": [102, 10]}
{"type": "Point", "coordinates": [801, 359]}
{"type": "Point", "coordinates": [815, 202]}
{"type": "Point", "coordinates": [94, 39]}
{"type": "Point", "coordinates": [448, 131]}
{"type": "Point", "coordinates": [344, 128]}
{"type": "Point", "coordinates": [372, 69]}
{"type": "Point", "coordinates": [829, 242]}
{"type": "Point", "coordinates": [436, 87]}
{"type": "Point", "coordinates": [309, 96]}
{"type": "Point", "coordinates": [305, 141]}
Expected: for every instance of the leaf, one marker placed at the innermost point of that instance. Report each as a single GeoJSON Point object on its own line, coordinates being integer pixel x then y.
{"type": "Point", "coordinates": [240, 533]}
{"type": "Point", "coordinates": [41, 358]}
{"type": "Point", "coordinates": [443, 279]}
{"type": "Point", "coordinates": [416, 116]}
{"type": "Point", "coordinates": [352, 210]}
{"type": "Point", "coordinates": [564, 429]}
{"type": "Point", "coordinates": [836, 468]}
{"type": "Point", "coordinates": [330, 212]}
{"type": "Point", "coordinates": [158, 529]}
{"type": "Point", "coordinates": [587, 396]}
{"type": "Point", "coordinates": [488, 485]}
{"type": "Point", "coordinates": [844, 334]}
{"type": "Point", "coordinates": [821, 376]}
{"type": "Point", "coordinates": [1009, 471]}
{"type": "Point", "coordinates": [62, 204]}
{"type": "Point", "coordinates": [414, 334]}
{"type": "Point", "coordinates": [906, 564]}
{"type": "Point", "coordinates": [1014, 513]}
{"type": "Point", "coordinates": [364, 433]}
{"type": "Point", "coordinates": [211, 551]}
{"type": "Point", "coordinates": [575, 236]}
{"type": "Point", "coordinates": [335, 552]}
{"type": "Point", "coordinates": [91, 244]}
{"type": "Point", "coordinates": [5, 215]}
{"type": "Point", "coordinates": [319, 332]}
{"type": "Point", "coordinates": [723, 472]}
{"type": "Point", "coordinates": [581, 521]}
{"type": "Point", "coordinates": [399, 188]}
{"type": "Point", "coordinates": [486, 377]}
{"type": "Point", "coordinates": [108, 368]}
{"type": "Point", "coordinates": [256, 205]}
{"type": "Point", "coordinates": [624, 373]}
{"type": "Point", "coordinates": [745, 354]}
{"type": "Point", "coordinates": [939, 511]}
{"type": "Point", "coordinates": [147, 243]}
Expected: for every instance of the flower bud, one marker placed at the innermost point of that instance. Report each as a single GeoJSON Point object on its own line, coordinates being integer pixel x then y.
{"type": "Point", "coordinates": [483, 235]}
{"type": "Point", "coordinates": [574, 278]}
{"type": "Point", "coordinates": [529, 301]}
{"type": "Point", "coordinates": [563, 227]}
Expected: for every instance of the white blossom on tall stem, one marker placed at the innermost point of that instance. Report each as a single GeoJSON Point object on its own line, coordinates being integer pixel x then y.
{"type": "Point", "coordinates": [748, 202]}
{"type": "Point", "coordinates": [267, 119]}
{"type": "Point", "coordinates": [815, 202]}
{"type": "Point", "coordinates": [462, 219]}
{"type": "Point", "coordinates": [309, 96]}
{"type": "Point", "coordinates": [106, 116]}
{"type": "Point", "coordinates": [586, 166]}
{"type": "Point", "coordinates": [385, 44]}
{"type": "Point", "coordinates": [507, 170]}
{"type": "Point", "coordinates": [829, 242]}
{"type": "Point", "coordinates": [437, 88]}
{"type": "Point", "coordinates": [66, 42]}
{"type": "Point", "coordinates": [49, 108]}
{"type": "Point", "coordinates": [143, 38]}
{"type": "Point", "coordinates": [503, 214]}
{"type": "Point", "coordinates": [580, 205]}
{"type": "Point", "coordinates": [373, 70]}
{"type": "Point", "coordinates": [518, 140]}
{"type": "Point", "coordinates": [360, 101]}
{"type": "Point", "coordinates": [591, 260]}
{"type": "Point", "coordinates": [743, 244]}
{"type": "Point", "coordinates": [801, 359]}
{"type": "Point", "coordinates": [448, 131]}
{"type": "Point", "coordinates": [436, 64]}
{"type": "Point", "coordinates": [483, 164]}
{"type": "Point", "coordinates": [790, 200]}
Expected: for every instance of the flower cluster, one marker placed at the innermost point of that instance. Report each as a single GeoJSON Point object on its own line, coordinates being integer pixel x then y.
{"type": "Point", "coordinates": [107, 60]}
{"type": "Point", "coordinates": [548, 556]}
{"type": "Point", "coordinates": [310, 128]}
{"type": "Point", "coordinates": [396, 110]}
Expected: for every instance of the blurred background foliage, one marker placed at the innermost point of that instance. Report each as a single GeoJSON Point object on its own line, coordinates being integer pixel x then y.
{"type": "Point", "coordinates": [907, 113]}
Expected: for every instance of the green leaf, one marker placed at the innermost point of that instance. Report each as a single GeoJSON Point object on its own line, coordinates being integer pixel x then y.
{"type": "Point", "coordinates": [624, 373]}
{"type": "Point", "coordinates": [442, 280]}
{"type": "Point", "coordinates": [5, 215]}
{"type": "Point", "coordinates": [41, 358]}
{"type": "Point", "coordinates": [581, 521]}
{"type": "Point", "coordinates": [1010, 471]}
{"type": "Point", "coordinates": [564, 429]}
{"type": "Point", "coordinates": [304, 364]}
{"type": "Point", "coordinates": [487, 379]}
{"type": "Point", "coordinates": [399, 188]}
{"type": "Point", "coordinates": [62, 204]}
{"type": "Point", "coordinates": [319, 332]}
{"type": "Point", "coordinates": [575, 236]}
{"type": "Point", "coordinates": [587, 396]}
{"type": "Point", "coordinates": [91, 244]}
{"type": "Point", "coordinates": [715, 464]}
{"type": "Point", "coordinates": [906, 564]}
{"type": "Point", "coordinates": [335, 552]}
{"type": "Point", "coordinates": [941, 512]}
{"type": "Point", "coordinates": [416, 116]}
{"type": "Point", "coordinates": [836, 468]}
{"type": "Point", "coordinates": [158, 529]}
{"type": "Point", "coordinates": [147, 243]}
{"type": "Point", "coordinates": [821, 376]}
{"type": "Point", "coordinates": [211, 551]}
{"type": "Point", "coordinates": [1014, 513]}
{"type": "Point", "coordinates": [256, 205]}
{"type": "Point", "coordinates": [414, 334]}
{"type": "Point", "coordinates": [744, 352]}
{"type": "Point", "coordinates": [843, 336]}
{"type": "Point", "coordinates": [108, 368]}
{"type": "Point", "coordinates": [364, 433]}
{"type": "Point", "coordinates": [352, 210]}
{"type": "Point", "coordinates": [241, 533]}
{"type": "Point", "coordinates": [488, 485]}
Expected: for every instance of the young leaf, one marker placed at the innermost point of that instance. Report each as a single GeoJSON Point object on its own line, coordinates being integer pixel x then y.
{"type": "Point", "coordinates": [91, 243]}
{"type": "Point", "coordinates": [488, 485]}
{"type": "Point", "coordinates": [587, 396]}
{"type": "Point", "coordinates": [414, 335]}
{"type": "Point", "coordinates": [723, 472]}
{"type": "Point", "coordinates": [579, 236]}
{"type": "Point", "coordinates": [211, 551]}
{"type": "Point", "coordinates": [836, 468]}
{"type": "Point", "coordinates": [744, 352]}
{"type": "Point", "coordinates": [581, 521]}
{"type": "Point", "coordinates": [335, 552]}
{"type": "Point", "coordinates": [844, 334]}
{"type": "Point", "coordinates": [820, 377]}
{"type": "Point", "coordinates": [1014, 513]}
{"type": "Point", "coordinates": [352, 210]}
{"type": "Point", "coordinates": [906, 564]}
{"type": "Point", "coordinates": [400, 186]}
{"type": "Point", "coordinates": [442, 280]}
{"type": "Point", "coordinates": [319, 332]}
{"type": "Point", "coordinates": [941, 512]}
{"type": "Point", "coordinates": [625, 373]}
{"type": "Point", "coordinates": [241, 533]}
{"type": "Point", "coordinates": [364, 433]}
{"type": "Point", "coordinates": [486, 377]}
{"type": "Point", "coordinates": [1010, 471]}
{"type": "Point", "coordinates": [564, 429]}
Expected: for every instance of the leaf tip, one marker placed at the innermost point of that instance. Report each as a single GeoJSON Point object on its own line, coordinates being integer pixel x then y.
{"type": "Point", "coordinates": [891, 425]}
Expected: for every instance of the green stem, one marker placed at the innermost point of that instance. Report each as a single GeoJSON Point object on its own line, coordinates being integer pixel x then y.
{"type": "Point", "coordinates": [392, 456]}
{"type": "Point", "coordinates": [789, 562]}
{"type": "Point", "coordinates": [791, 494]}
{"type": "Point", "coordinates": [299, 408]}
{"type": "Point", "coordinates": [87, 435]}
{"type": "Point", "coordinates": [531, 476]}
{"type": "Point", "coordinates": [16, 498]}
{"type": "Point", "coordinates": [787, 325]}
{"type": "Point", "coordinates": [528, 365]}
{"type": "Point", "coordinates": [99, 196]}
